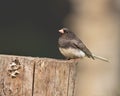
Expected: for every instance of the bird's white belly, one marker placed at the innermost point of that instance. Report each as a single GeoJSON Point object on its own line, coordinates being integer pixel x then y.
{"type": "Point", "coordinates": [71, 52]}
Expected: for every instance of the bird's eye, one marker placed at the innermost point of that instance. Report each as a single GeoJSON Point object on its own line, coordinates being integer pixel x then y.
{"type": "Point", "coordinates": [65, 31]}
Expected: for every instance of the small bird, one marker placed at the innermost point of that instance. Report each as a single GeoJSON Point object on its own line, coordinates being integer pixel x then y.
{"type": "Point", "coordinates": [72, 47]}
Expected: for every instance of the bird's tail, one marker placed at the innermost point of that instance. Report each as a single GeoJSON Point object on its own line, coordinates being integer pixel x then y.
{"type": "Point", "coordinates": [100, 58]}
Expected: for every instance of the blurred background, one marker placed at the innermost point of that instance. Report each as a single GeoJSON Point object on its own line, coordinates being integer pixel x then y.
{"type": "Point", "coordinates": [30, 28]}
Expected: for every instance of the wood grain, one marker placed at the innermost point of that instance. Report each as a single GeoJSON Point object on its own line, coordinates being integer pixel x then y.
{"type": "Point", "coordinates": [36, 76]}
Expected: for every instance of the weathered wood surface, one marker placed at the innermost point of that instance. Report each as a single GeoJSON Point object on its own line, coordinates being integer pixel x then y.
{"type": "Point", "coordinates": [28, 76]}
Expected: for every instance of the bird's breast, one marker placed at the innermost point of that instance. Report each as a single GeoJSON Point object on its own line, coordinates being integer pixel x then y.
{"type": "Point", "coordinates": [72, 52]}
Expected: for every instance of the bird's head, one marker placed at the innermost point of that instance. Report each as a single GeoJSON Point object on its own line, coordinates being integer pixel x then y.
{"type": "Point", "coordinates": [64, 30]}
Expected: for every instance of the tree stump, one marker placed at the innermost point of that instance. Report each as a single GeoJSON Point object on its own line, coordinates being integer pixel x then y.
{"type": "Point", "coordinates": [32, 76]}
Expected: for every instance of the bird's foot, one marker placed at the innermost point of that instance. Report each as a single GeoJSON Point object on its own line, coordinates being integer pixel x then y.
{"type": "Point", "coordinates": [74, 59]}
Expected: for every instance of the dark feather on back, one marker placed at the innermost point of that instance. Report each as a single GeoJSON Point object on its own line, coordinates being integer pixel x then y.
{"type": "Point", "coordinates": [69, 39]}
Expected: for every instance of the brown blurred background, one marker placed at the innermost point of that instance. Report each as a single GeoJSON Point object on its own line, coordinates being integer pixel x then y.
{"type": "Point", "coordinates": [30, 28]}
{"type": "Point", "coordinates": [97, 23]}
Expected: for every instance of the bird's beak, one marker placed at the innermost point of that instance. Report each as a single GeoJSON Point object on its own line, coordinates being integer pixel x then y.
{"type": "Point", "coordinates": [61, 31]}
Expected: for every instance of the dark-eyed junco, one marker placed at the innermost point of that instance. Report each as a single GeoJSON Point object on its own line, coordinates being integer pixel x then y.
{"type": "Point", "coordinates": [72, 47]}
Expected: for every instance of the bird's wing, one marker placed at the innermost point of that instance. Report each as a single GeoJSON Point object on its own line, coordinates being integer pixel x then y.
{"type": "Point", "coordinates": [79, 44]}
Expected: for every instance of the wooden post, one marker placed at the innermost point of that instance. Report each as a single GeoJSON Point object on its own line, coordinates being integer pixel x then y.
{"type": "Point", "coordinates": [28, 76]}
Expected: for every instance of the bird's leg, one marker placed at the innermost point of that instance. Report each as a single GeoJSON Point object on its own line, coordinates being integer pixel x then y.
{"type": "Point", "coordinates": [74, 59]}
{"type": "Point", "coordinates": [77, 59]}
{"type": "Point", "coordinates": [67, 58]}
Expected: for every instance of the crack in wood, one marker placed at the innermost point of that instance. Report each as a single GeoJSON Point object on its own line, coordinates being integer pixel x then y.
{"type": "Point", "coordinates": [33, 79]}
